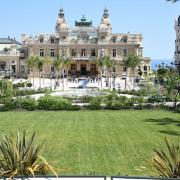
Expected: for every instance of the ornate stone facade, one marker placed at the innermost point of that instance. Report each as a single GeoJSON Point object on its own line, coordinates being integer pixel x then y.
{"type": "Point", "coordinates": [10, 57]}
{"type": "Point", "coordinates": [83, 44]}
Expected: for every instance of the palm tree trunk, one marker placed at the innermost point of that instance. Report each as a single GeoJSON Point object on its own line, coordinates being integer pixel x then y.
{"type": "Point", "coordinates": [43, 75]}
{"type": "Point", "coordinates": [133, 77]}
{"type": "Point", "coordinates": [56, 81]}
{"type": "Point", "coordinates": [39, 79]}
{"type": "Point", "coordinates": [33, 78]}
{"type": "Point", "coordinates": [63, 79]}
{"type": "Point", "coordinates": [30, 75]}
{"type": "Point", "coordinates": [110, 79]}
{"type": "Point", "coordinates": [59, 79]}
{"type": "Point", "coordinates": [67, 76]}
{"type": "Point", "coordinates": [101, 79]}
{"type": "Point", "coordinates": [125, 87]}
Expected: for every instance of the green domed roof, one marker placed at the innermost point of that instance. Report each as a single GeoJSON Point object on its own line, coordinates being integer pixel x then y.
{"type": "Point", "coordinates": [83, 22]}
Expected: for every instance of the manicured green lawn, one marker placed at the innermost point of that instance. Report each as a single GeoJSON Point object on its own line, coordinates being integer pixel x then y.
{"type": "Point", "coordinates": [104, 142]}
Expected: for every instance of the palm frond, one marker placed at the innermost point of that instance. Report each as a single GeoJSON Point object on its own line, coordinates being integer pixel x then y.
{"type": "Point", "coordinates": [21, 157]}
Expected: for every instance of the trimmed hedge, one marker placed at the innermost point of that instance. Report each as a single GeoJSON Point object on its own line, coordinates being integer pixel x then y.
{"type": "Point", "coordinates": [95, 103]}
{"type": "Point", "coordinates": [28, 104]}
{"type": "Point", "coordinates": [50, 103]}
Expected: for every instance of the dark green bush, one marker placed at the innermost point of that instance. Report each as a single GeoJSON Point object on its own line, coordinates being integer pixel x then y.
{"type": "Point", "coordinates": [156, 99]}
{"type": "Point", "coordinates": [95, 103]}
{"type": "Point", "coordinates": [115, 102]}
{"type": "Point", "coordinates": [9, 104]}
{"type": "Point", "coordinates": [138, 107]}
{"type": "Point", "coordinates": [18, 85]}
{"type": "Point", "coordinates": [73, 108]}
{"type": "Point", "coordinates": [136, 100]}
{"type": "Point", "coordinates": [148, 106]}
{"type": "Point", "coordinates": [25, 92]}
{"type": "Point", "coordinates": [53, 103]}
{"type": "Point", "coordinates": [29, 84]}
{"type": "Point", "coordinates": [28, 104]}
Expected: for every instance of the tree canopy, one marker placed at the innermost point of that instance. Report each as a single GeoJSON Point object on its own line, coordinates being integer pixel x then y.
{"type": "Point", "coordinates": [173, 0]}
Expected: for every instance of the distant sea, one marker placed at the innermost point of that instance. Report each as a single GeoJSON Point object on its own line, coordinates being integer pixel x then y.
{"type": "Point", "coordinates": [155, 62]}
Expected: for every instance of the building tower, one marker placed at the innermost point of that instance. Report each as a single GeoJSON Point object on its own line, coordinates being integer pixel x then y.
{"type": "Point", "coordinates": [105, 24]}
{"type": "Point", "coordinates": [61, 22]}
{"type": "Point", "coordinates": [104, 32]}
{"type": "Point", "coordinates": [177, 44]}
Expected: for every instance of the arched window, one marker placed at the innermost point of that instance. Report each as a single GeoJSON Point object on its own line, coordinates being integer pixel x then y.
{"type": "Point", "coordinates": [145, 68]}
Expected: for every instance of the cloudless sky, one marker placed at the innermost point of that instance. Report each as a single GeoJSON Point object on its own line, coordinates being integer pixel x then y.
{"type": "Point", "coordinates": [153, 18]}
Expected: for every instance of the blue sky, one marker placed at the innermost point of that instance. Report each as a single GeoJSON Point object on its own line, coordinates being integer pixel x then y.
{"type": "Point", "coordinates": [153, 18]}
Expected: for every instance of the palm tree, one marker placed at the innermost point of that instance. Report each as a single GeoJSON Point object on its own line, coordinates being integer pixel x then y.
{"type": "Point", "coordinates": [108, 64]}
{"type": "Point", "coordinates": [66, 65]}
{"type": "Point", "coordinates": [100, 63]}
{"type": "Point", "coordinates": [47, 61]}
{"type": "Point", "coordinates": [134, 63]}
{"type": "Point", "coordinates": [127, 64]}
{"type": "Point", "coordinates": [31, 63]}
{"type": "Point", "coordinates": [131, 62]}
{"type": "Point", "coordinates": [57, 65]}
{"type": "Point", "coordinates": [171, 85]}
{"type": "Point", "coordinates": [39, 66]}
{"type": "Point", "coordinates": [173, 0]}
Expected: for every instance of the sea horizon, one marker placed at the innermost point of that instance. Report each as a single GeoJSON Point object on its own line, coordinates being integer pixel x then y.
{"type": "Point", "coordinates": [155, 62]}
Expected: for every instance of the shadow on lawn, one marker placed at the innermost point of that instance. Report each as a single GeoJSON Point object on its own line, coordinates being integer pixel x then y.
{"type": "Point", "coordinates": [170, 132]}
{"type": "Point", "coordinates": [164, 121]}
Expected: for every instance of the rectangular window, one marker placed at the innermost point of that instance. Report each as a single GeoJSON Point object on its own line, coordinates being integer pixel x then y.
{"type": "Point", "coordinates": [41, 52]}
{"type": "Point", "coordinates": [63, 52]}
{"type": "Point", "coordinates": [73, 53]}
{"type": "Point", "coordinates": [52, 69]}
{"type": "Point", "coordinates": [114, 40]}
{"type": "Point", "coordinates": [52, 40]}
{"type": "Point", "coordinates": [114, 53]}
{"type": "Point", "coordinates": [52, 53]}
{"type": "Point", "coordinates": [93, 52]}
{"type": "Point", "coordinates": [124, 69]}
{"type": "Point", "coordinates": [102, 37]}
{"type": "Point", "coordinates": [140, 52]}
{"type": "Point", "coordinates": [125, 52]}
{"type": "Point", "coordinates": [41, 40]}
{"type": "Point", "coordinates": [83, 52]}
{"type": "Point", "coordinates": [73, 67]}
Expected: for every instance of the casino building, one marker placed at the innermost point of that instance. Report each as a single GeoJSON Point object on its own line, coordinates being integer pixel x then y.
{"type": "Point", "coordinates": [83, 44]}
